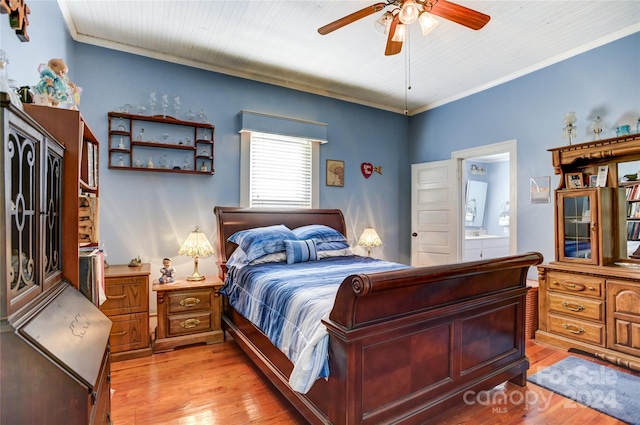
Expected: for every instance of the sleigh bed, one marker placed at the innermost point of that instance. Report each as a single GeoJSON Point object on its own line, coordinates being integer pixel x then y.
{"type": "Point", "coordinates": [403, 345]}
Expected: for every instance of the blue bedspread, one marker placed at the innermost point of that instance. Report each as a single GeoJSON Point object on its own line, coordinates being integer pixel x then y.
{"type": "Point", "coordinates": [288, 301]}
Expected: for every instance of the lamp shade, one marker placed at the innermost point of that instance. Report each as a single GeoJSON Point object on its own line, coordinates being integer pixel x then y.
{"type": "Point", "coordinates": [196, 245]}
{"type": "Point", "coordinates": [369, 239]}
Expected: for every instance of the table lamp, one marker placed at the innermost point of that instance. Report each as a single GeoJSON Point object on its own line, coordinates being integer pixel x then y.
{"type": "Point", "coordinates": [196, 245]}
{"type": "Point", "coordinates": [369, 239]}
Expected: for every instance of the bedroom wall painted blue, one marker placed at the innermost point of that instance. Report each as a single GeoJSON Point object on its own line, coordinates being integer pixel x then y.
{"type": "Point", "coordinates": [604, 81]}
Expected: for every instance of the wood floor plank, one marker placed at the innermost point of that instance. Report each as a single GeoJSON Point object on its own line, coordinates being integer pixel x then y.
{"type": "Point", "coordinates": [217, 384]}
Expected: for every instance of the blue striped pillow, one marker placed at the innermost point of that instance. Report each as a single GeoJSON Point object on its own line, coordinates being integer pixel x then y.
{"type": "Point", "coordinates": [261, 241]}
{"type": "Point", "coordinates": [301, 251]}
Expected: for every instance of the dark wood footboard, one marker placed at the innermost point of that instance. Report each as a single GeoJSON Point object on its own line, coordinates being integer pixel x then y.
{"type": "Point", "coordinates": [409, 344]}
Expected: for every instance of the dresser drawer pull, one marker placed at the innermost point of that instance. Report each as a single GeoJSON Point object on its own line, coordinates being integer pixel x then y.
{"type": "Point", "coordinates": [190, 323]}
{"type": "Point", "coordinates": [117, 297]}
{"type": "Point", "coordinates": [574, 286]}
{"type": "Point", "coordinates": [118, 333]}
{"type": "Point", "coordinates": [572, 306]}
{"type": "Point", "coordinates": [190, 302]}
{"type": "Point", "coordinates": [573, 329]}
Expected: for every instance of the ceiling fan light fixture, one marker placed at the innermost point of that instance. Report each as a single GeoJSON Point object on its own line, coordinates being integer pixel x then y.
{"type": "Point", "coordinates": [409, 12]}
{"type": "Point", "coordinates": [427, 22]}
{"type": "Point", "coordinates": [399, 34]}
{"type": "Point", "coordinates": [383, 23]}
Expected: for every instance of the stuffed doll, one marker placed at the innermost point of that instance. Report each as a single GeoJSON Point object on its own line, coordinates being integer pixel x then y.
{"type": "Point", "coordinates": [55, 84]}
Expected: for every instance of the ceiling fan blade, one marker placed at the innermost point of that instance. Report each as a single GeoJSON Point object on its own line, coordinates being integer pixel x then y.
{"type": "Point", "coordinates": [460, 14]}
{"type": "Point", "coordinates": [393, 47]}
{"type": "Point", "coordinates": [351, 18]}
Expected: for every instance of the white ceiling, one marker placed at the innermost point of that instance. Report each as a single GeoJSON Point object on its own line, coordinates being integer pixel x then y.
{"type": "Point", "coordinates": [276, 41]}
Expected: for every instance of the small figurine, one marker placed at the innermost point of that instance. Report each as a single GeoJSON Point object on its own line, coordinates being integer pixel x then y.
{"type": "Point", "coordinates": [150, 163]}
{"type": "Point", "coordinates": [135, 262]}
{"type": "Point", "coordinates": [168, 272]}
{"type": "Point", "coordinates": [55, 84]}
{"type": "Point", "coordinates": [203, 167]}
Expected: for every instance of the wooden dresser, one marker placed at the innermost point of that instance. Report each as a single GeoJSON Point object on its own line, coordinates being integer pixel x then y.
{"type": "Point", "coordinates": [589, 297]}
{"type": "Point", "coordinates": [127, 305]}
{"type": "Point", "coordinates": [189, 312]}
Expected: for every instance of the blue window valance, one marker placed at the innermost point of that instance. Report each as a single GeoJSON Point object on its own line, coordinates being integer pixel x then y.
{"type": "Point", "coordinates": [265, 123]}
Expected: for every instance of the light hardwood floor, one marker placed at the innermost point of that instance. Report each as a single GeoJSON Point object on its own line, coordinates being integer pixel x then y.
{"type": "Point", "coordinates": [217, 384]}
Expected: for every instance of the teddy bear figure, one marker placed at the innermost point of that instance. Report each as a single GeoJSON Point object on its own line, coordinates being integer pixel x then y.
{"type": "Point", "coordinates": [55, 84]}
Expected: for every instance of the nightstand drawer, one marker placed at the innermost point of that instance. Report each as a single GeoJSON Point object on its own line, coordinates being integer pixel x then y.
{"type": "Point", "coordinates": [126, 295]}
{"type": "Point", "coordinates": [577, 307]}
{"type": "Point", "coordinates": [581, 330]}
{"type": "Point", "coordinates": [183, 301]}
{"type": "Point", "coordinates": [129, 332]}
{"type": "Point", "coordinates": [570, 283]}
{"type": "Point", "coordinates": [194, 322]}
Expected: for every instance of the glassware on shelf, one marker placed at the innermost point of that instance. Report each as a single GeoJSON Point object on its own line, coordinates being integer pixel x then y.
{"type": "Point", "coordinates": [152, 102]}
{"type": "Point", "coordinates": [165, 105]}
{"type": "Point", "coordinates": [165, 137]}
{"type": "Point", "coordinates": [597, 126]}
{"type": "Point", "coordinates": [163, 162]}
{"type": "Point", "coordinates": [138, 162]}
{"type": "Point", "coordinates": [14, 98]}
{"type": "Point", "coordinates": [127, 108]}
{"type": "Point", "coordinates": [121, 144]}
{"type": "Point", "coordinates": [140, 134]}
{"type": "Point", "coordinates": [176, 106]}
{"type": "Point", "coordinates": [570, 131]}
{"type": "Point", "coordinates": [120, 161]}
{"type": "Point", "coordinates": [203, 117]}
{"type": "Point", "coordinates": [141, 109]}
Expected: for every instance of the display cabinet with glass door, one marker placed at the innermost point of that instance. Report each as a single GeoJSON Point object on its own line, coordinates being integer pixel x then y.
{"type": "Point", "coordinates": [582, 217]}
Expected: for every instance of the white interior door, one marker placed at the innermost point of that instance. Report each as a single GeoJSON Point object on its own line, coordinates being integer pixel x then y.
{"type": "Point", "coordinates": [434, 213]}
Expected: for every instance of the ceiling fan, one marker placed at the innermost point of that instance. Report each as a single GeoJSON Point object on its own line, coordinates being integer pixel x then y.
{"type": "Point", "coordinates": [394, 22]}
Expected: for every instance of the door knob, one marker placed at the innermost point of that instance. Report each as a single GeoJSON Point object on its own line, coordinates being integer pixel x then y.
{"type": "Point", "coordinates": [414, 234]}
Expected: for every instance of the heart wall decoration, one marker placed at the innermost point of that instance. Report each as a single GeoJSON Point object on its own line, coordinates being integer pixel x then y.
{"type": "Point", "coordinates": [368, 168]}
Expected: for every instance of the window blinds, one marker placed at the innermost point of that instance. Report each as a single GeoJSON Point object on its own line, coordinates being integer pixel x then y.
{"type": "Point", "coordinates": [281, 171]}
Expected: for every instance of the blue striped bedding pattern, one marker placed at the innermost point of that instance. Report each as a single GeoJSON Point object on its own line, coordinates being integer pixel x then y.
{"type": "Point", "coordinates": [287, 302]}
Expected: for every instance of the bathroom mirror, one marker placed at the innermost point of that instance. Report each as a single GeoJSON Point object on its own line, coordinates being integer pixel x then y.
{"type": "Point", "coordinates": [475, 201]}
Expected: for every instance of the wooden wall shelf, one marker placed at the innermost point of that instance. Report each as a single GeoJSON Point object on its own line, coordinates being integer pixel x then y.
{"type": "Point", "coordinates": [160, 144]}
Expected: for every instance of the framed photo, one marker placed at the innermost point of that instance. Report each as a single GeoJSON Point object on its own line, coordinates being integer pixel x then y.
{"type": "Point", "coordinates": [335, 173]}
{"type": "Point", "coordinates": [593, 180]}
{"type": "Point", "coordinates": [603, 172]}
{"type": "Point", "coordinates": [574, 181]}
{"type": "Point", "coordinates": [539, 188]}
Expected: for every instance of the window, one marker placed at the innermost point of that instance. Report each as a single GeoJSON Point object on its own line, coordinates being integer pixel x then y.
{"type": "Point", "coordinates": [279, 171]}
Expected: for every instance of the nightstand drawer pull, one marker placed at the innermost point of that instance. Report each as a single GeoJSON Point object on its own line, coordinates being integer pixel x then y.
{"type": "Point", "coordinates": [190, 323]}
{"type": "Point", "coordinates": [572, 306]}
{"type": "Point", "coordinates": [573, 328]}
{"type": "Point", "coordinates": [117, 297]}
{"type": "Point", "coordinates": [118, 333]}
{"type": "Point", "coordinates": [190, 302]}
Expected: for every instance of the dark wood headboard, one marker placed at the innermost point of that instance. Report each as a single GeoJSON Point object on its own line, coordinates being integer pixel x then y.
{"type": "Point", "coordinates": [233, 219]}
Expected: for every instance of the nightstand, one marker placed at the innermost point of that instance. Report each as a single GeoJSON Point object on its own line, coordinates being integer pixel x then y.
{"type": "Point", "coordinates": [127, 305]}
{"type": "Point", "coordinates": [188, 313]}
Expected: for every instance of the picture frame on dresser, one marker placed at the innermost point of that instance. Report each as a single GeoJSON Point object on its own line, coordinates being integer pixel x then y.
{"type": "Point", "coordinates": [574, 180]}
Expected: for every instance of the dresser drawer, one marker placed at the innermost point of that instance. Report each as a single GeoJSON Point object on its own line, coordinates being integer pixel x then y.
{"type": "Point", "coordinates": [183, 301]}
{"type": "Point", "coordinates": [589, 286]}
{"type": "Point", "coordinates": [126, 295]}
{"type": "Point", "coordinates": [129, 332]}
{"type": "Point", "coordinates": [188, 323]}
{"type": "Point", "coordinates": [577, 307]}
{"type": "Point", "coordinates": [577, 329]}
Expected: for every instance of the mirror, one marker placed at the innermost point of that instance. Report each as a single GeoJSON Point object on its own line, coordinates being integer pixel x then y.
{"type": "Point", "coordinates": [628, 178]}
{"type": "Point", "coordinates": [475, 201]}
